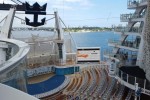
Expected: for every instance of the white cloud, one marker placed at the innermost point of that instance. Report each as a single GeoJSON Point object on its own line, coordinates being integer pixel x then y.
{"type": "Point", "coordinates": [6, 1]}
{"type": "Point", "coordinates": [70, 4]}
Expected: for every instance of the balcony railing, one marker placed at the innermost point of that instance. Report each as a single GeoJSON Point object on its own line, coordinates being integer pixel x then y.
{"type": "Point", "coordinates": [127, 29]}
{"type": "Point", "coordinates": [126, 43]}
{"type": "Point", "coordinates": [115, 42]}
{"type": "Point", "coordinates": [135, 2]}
{"type": "Point", "coordinates": [123, 57]}
{"type": "Point", "coordinates": [131, 44]}
{"type": "Point", "coordinates": [127, 17]}
{"type": "Point", "coordinates": [132, 80]}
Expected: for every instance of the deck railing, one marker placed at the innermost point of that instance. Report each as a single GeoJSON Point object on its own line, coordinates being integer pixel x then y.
{"type": "Point", "coordinates": [128, 29]}
{"type": "Point", "coordinates": [135, 2]}
{"type": "Point", "coordinates": [125, 59]}
{"type": "Point", "coordinates": [126, 43]}
{"type": "Point", "coordinates": [128, 17]}
{"type": "Point", "coordinates": [132, 80]}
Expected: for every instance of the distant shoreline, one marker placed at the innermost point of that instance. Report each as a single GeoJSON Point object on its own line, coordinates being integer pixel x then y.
{"type": "Point", "coordinates": [90, 31]}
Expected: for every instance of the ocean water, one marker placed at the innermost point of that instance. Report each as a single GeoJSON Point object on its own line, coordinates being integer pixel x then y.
{"type": "Point", "coordinates": [86, 39]}
{"type": "Point", "coordinates": [95, 39]}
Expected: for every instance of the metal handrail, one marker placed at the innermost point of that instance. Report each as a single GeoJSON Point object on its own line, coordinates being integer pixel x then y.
{"type": "Point", "coordinates": [135, 2]}
{"type": "Point", "coordinates": [128, 29]}
{"type": "Point", "coordinates": [132, 80]}
{"type": "Point", "coordinates": [127, 43]}
{"type": "Point", "coordinates": [127, 17]}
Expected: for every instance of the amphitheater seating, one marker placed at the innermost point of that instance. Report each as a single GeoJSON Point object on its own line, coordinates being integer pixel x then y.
{"type": "Point", "coordinates": [45, 86]}
{"type": "Point", "coordinates": [129, 95]}
{"type": "Point", "coordinates": [69, 87]}
{"type": "Point", "coordinates": [120, 92]}
{"type": "Point", "coordinates": [92, 83]}
{"type": "Point", "coordinates": [52, 97]}
{"type": "Point", "coordinates": [104, 84]}
{"type": "Point", "coordinates": [86, 82]}
{"type": "Point", "coordinates": [79, 80]}
{"type": "Point", "coordinates": [99, 79]}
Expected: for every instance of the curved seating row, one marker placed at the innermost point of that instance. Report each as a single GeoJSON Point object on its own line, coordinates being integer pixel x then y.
{"type": "Point", "coordinates": [52, 97]}
{"type": "Point", "coordinates": [104, 84]}
{"type": "Point", "coordinates": [120, 93]}
{"type": "Point", "coordinates": [72, 81]}
{"type": "Point", "coordinates": [128, 97]}
{"type": "Point", "coordinates": [85, 82]}
{"type": "Point", "coordinates": [100, 79]}
{"type": "Point", "coordinates": [95, 82]}
{"type": "Point", "coordinates": [110, 89]}
{"type": "Point", "coordinates": [117, 87]}
{"type": "Point", "coordinates": [79, 80]}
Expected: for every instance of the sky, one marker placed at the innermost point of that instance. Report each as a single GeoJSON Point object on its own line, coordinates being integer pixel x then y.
{"type": "Point", "coordinates": [78, 13]}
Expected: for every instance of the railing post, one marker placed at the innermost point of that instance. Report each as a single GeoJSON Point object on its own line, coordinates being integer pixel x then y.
{"type": "Point", "coordinates": [121, 74]}
{"type": "Point", "coordinates": [127, 77]}
{"type": "Point", "coordinates": [144, 85]}
{"type": "Point", "coordinates": [135, 81]}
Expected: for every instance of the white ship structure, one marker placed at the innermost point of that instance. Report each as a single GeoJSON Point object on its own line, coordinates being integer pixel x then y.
{"type": "Point", "coordinates": [129, 58]}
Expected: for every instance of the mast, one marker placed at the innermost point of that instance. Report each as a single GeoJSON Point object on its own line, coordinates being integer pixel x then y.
{"type": "Point", "coordinates": [60, 40]}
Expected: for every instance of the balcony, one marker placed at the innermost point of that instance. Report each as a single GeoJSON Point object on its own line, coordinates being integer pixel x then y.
{"type": "Point", "coordinates": [131, 4]}
{"type": "Point", "coordinates": [134, 30]}
{"type": "Point", "coordinates": [130, 80]}
{"type": "Point", "coordinates": [130, 45]}
{"type": "Point", "coordinates": [131, 17]}
{"type": "Point", "coordinates": [122, 57]}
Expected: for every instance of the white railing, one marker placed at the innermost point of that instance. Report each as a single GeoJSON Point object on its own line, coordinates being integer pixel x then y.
{"type": "Point", "coordinates": [127, 17]}
{"type": "Point", "coordinates": [127, 43]}
{"type": "Point", "coordinates": [10, 64]}
{"type": "Point", "coordinates": [135, 2]}
{"type": "Point", "coordinates": [128, 29]}
{"type": "Point", "coordinates": [130, 81]}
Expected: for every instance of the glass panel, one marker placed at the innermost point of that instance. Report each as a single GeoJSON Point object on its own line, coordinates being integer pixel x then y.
{"type": "Point", "coordinates": [124, 75]}
{"type": "Point", "coordinates": [131, 79]}
{"type": "Point", "coordinates": [140, 82]}
{"type": "Point", "coordinates": [147, 85]}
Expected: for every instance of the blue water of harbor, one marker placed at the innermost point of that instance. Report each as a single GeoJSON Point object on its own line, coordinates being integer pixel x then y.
{"type": "Point", "coordinates": [95, 39]}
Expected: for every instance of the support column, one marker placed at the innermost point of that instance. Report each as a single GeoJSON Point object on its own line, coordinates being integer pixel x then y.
{"type": "Point", "coordinates": [60, 41]}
